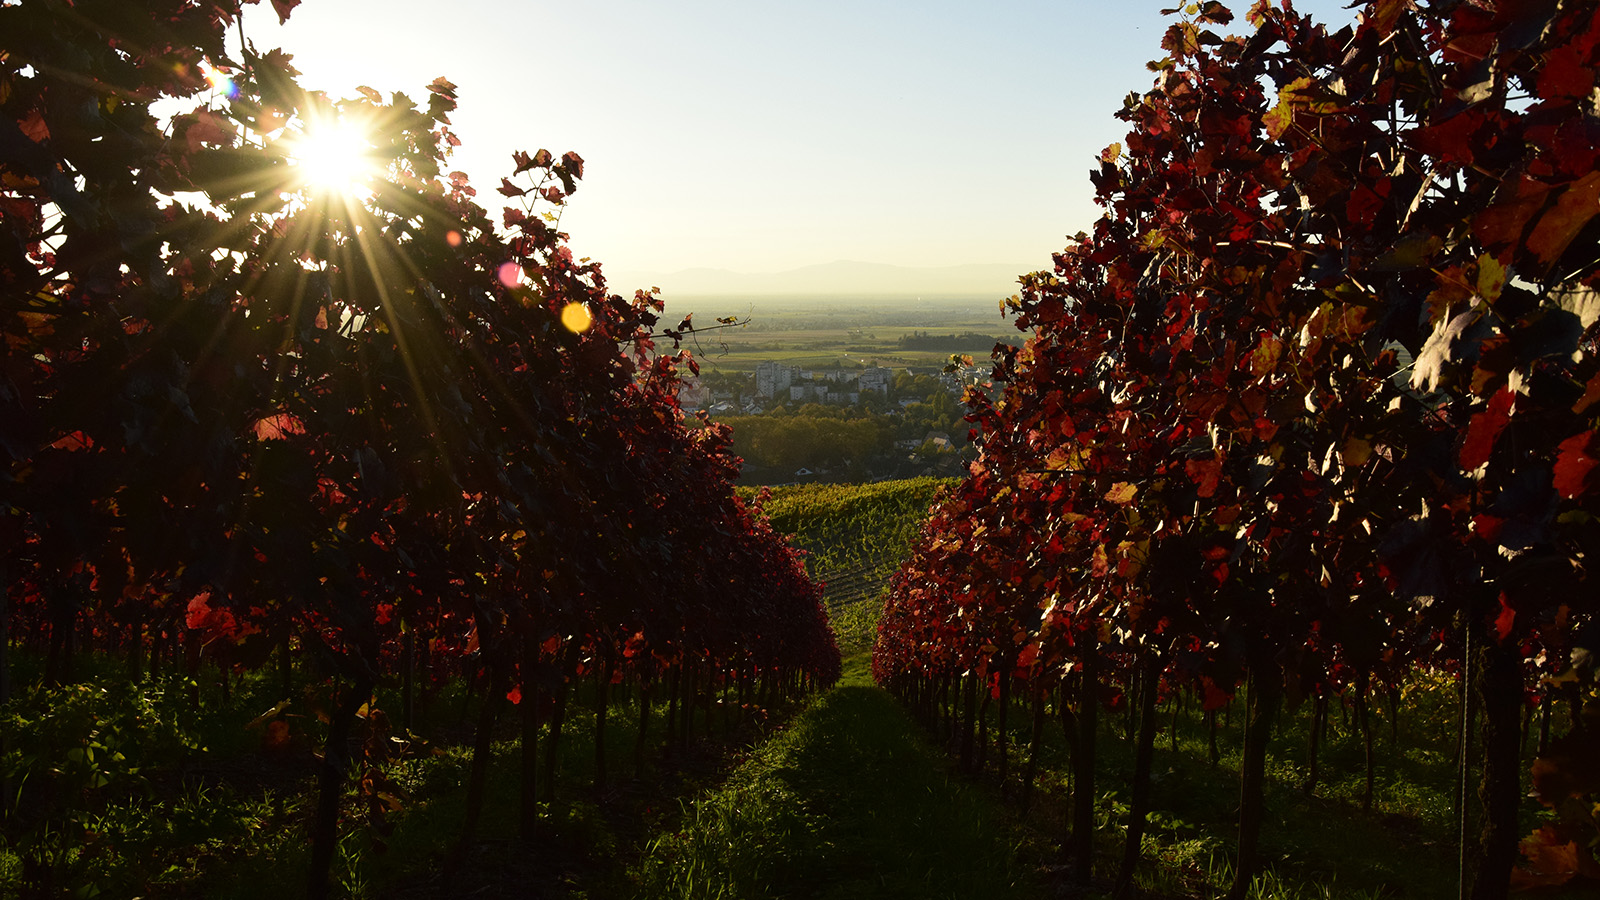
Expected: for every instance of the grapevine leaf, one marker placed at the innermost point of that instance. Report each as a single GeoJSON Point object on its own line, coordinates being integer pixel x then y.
{"type": "Point", "coordinates": [1485, 428]}
{"type": "Point", "coordinates": [1504, 621]}
{"type": "Point", "coordinates": [1429, 367]}
{"type": "Point", "coordinates": [284, 8]}
{"type": "Point", "coordinates": [1574, 462]}
{"type": "Point", "coordinates": [1121, 493]}
{"type": "Point", "coordinates": [1548, 861]}
{"type": "Point", "coordinates": [1574, 207]}
{"type": "Point", "coordinates": [1204, 473]}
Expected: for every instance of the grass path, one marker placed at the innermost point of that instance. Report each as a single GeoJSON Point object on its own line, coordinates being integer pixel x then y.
{"type": "Point", "coordinates": [849, 801]}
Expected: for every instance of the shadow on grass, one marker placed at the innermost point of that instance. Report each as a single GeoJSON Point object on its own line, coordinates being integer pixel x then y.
{"type": "Point", "coordinates": [849, 801]}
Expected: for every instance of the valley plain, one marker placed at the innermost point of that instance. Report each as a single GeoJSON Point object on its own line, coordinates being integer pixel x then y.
{"type": "Point", "coordinates": [842, 331]}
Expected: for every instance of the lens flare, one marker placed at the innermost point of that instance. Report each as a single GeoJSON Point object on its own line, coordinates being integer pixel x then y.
{"type": "Point", "coordinates": [576, 318]}
{"type": "Point", "coordinates": [510, 274]}
{"type": "Point", "coordinates": [219, 80]}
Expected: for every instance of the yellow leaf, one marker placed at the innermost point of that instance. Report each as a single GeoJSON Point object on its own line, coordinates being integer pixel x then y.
{"type": "Point", "coordinates": [1264, 359]}
{"type": "Point", "coordinates": [1491, 277]}
{"type": "Point", "coordinates": [1121, 493]}
{"type": "Point", "coordinates": [1356, 452]}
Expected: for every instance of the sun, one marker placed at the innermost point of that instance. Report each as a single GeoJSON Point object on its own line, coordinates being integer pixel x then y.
{"type": "Point", "coordinates": [334, 157]}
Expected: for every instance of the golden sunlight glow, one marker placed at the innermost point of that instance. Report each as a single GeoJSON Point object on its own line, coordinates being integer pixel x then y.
{"type": "Point", "coordinates": [334, 157]}
{"type": "Point", "coordinates": [576, 317]}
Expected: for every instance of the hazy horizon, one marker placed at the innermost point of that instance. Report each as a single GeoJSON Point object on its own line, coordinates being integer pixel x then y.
{"type": "Point", "coordinates": [838, 278]}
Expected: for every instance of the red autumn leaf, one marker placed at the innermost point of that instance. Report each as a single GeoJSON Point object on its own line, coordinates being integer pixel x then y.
{"type": "Point", "coordinates": [1215, 697]}
{"type": "Point", "coordinates": [1214, 12]}
{"type": "Point", "coordinates": [1547, 863]}
{"type": "Point", "coordinates": [515, 695]}
{"type": "Point", "coordinates": [1566, 74]}
{"type": "Point", "coordinates": [1484, 428]}
{"type": "Point", "coordinates": [1549, 215]}
{"type": "Point", "coordinates": [207, 127]}
{"type": "Point", "coordinates": [1266, 429]}
{"type": "Point", "coordinates": [1027, 655]}
{"type": "Point", "coordinates": [1591, 395]}
{"type": "Point", "coordinates": [1559, 224]}
{"type": "Point", "coordinates": [276, 737]}
{"type": "Point", "coordinates": [1365, 201]}
{"type": "Point", "coordinates": [284, 8]}
{"type": "Point", "coordinates": [214, 622]}
{"type": "Point", "coordinates": [1504, 621]}
{"type": "Point", "coordinates": [1450, 140]}
{"type": "Point", "coordinates": [198, 611]}
{"type": "Point", "coordinates": [77, 440]}
{"type": "Point", "coordinates": [634, 646]}
{"type": "Point", "coordinates": [35, 128]}
{"type": "Point", "coordinates": [1573, 464]}
{"type": "Point", "coordinates": [278, 427]}
{"type": "Point", "coordinates": [509, 189]}
{"type": "Point", "coordinates": [1204, 473]}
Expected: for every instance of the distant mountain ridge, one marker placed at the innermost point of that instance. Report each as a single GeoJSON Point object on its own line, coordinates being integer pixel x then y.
{"type": "Point", "coordinates": [841, 277]}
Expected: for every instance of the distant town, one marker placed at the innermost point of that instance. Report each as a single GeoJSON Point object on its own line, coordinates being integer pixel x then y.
{"type": "Point", "coordinates": [793, 424]}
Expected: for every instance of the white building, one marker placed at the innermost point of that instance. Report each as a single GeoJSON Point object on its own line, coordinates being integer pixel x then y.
{"type": "Point", "coordinates": [693, 395]}
{"type": "Point", "coordinates": [876, 378]}
{"type": "Point", "coordinates": [807, 393]}
{"type": "Point", "coordinates": [774, 378]}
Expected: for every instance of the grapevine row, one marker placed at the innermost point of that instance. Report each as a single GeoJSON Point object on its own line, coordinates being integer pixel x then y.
{"type": "Point", "coordinates": [243, 417]}
{"type": "Point", "coordinates": [1313, 407]}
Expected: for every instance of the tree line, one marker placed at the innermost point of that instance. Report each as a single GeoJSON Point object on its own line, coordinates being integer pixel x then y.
{"type": "Point", "coordinates": [950, 343]}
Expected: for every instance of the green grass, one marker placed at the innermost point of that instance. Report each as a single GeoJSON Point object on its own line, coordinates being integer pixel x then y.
{"type": "Point", "coordinates": [1320, 846]}
{"type": "Point", "coordinates": [848, 801]}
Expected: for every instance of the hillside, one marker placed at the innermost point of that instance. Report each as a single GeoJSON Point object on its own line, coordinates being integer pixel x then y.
{"type": "Point", "coordinates": [855, 536]}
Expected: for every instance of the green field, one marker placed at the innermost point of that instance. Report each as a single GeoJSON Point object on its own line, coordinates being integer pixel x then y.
{"type": "Point", "coordinates": [819, 333]}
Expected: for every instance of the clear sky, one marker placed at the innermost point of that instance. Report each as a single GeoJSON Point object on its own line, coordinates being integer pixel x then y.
{"type": "Point", "coordinates": [761, 136]}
